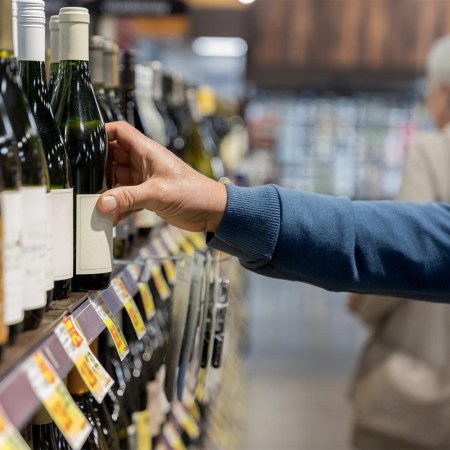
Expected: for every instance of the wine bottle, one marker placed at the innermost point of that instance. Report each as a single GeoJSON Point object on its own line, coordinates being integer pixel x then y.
{"type": "Point", "coordinates": [96, 48]}
{"type": "Point", "coordinates": [111, 76]}
{"type": "Point", "coordinates": [54, 54]}
{"type": "Point", "coordinates": [78, 116]}
{"type": "Point", "coordinates": [179, 107]}
{"type": "Point", "coordinates": [45, 434]}
{"type": "Point", "coordinates": [31, 55]}
{"type": "Point", "coordinates": [34, 178]}
{"type": "Point", "coordinates": [11, 210]}
{"type": "Point", "coordinates": [198, 152]}
{"type": "Point", "coordinates": [85, 401]}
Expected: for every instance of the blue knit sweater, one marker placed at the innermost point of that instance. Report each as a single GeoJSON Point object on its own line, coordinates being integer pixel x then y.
{"type": "Point", "coordinates": [390, 248]}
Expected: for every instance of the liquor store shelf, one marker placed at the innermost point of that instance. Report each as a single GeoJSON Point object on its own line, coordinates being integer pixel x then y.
{"type": "Point", "coordinates": [16, 395]}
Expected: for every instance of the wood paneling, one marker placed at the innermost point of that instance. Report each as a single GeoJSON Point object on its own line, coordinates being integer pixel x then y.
{"type": "Point", "coordinates": [386, 37]}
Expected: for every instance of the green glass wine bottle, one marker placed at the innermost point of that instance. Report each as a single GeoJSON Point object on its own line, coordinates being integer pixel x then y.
{"type": "Point", "coordinates": [96, 49]}
{"type": "Point", "coordinates": [11, 208]}
{"type": "Point", "coordinates": [53, 26]}
{"type": "Point", "coordinates": [45, 434]}
{"type": "Point", "coordinates": [31, 55]}
{"type": "Point", "coordinates": [33, 177]}
{"type": "Point", "coordinates": [78, 116]}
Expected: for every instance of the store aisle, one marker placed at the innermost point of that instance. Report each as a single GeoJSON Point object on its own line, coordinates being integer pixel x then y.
{"type": "Point", "coordinates": [302, 350]}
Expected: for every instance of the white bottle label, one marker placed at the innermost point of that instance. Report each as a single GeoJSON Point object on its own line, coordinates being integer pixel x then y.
{"type": "Point", "coordinates": [49, 284]}
{"type": "Point", "coordinates": [11, 206]}
{"type": "Point", "coordinates": [34, 211]}
{"type": "Point", "coordinates": [62, 220]}
{"type": "Point", "coordinates": [94, 237]}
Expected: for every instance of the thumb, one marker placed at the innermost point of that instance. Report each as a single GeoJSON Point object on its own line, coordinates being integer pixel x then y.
{"type": "Point", "coordinates": [123, 199]}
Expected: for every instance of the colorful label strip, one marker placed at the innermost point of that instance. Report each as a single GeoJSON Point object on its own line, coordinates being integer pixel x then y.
{"type": "Point", "coordinates": [10, 438]}
{"type": "Point", "coordinates": [57, 401]}
{"type": "Point", "coordinates": [108, 318]}
{"type": "Point", "coordinates": [76, 346]}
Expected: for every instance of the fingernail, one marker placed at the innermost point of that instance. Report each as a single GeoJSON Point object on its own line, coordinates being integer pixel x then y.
{"type": "Point", "coordinates": [109, 204]}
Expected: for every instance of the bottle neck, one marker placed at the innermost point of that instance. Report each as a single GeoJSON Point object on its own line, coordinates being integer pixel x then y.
{"type": "Point", "coordinates": [73, 41]}
{"type": "Point", "coordinates": [32, 74]}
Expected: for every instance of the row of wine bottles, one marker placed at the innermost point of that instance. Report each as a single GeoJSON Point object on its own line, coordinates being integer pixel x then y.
{"type": "Point", "coordinates": [53, 157]}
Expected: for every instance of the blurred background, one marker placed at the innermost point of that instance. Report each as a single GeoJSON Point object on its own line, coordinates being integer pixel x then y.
{"type": "Point", "coordinates": [332, 92]}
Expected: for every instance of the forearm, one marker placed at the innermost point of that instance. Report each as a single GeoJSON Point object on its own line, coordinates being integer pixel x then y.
{"type": "Point", "coordinates": [386, 248]}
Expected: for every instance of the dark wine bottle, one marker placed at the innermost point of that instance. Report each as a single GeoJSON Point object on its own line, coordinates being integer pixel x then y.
{"type": "Point", "coordinates": [78, 116]}
{"type": "Point", "coordinates": [111, 77]}
{"type": "Point", "coordinates": [45, 434]}
{"type": "Point", "coordinates": [96, 49]}
{"type": "Point", "coordinates": [84, 399]}
{"type": "Point", "coordinates": [11, 210]}
{"type": "Point", "coordinates": [54, 54]}
{"type": "Point", "coordinates": [34, 179]}
{"type": "Point", "coordinates": [31, 55]}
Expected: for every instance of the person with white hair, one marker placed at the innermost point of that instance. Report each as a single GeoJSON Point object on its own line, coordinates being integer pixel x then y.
{"type": "Point", "coordinates": [401, 393]}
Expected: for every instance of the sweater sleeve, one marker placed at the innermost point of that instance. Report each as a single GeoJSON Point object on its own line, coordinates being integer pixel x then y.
{"type": "Point", "coordinates": [384, 248]}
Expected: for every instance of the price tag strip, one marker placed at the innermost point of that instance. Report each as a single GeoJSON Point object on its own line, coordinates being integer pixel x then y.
{"type": "Point", "coordinates": [199, 241]}
{"type": "Point", "coordinates": [130, 306]}
{"type": "Point", "coordinates": [191, 405]}
{"type": "Point", "coordinates": [141, 420]}
{"type": "Point", "coordinates": [185, 421]}
{"type": "Point", "coordinates": [172, 436]}
{"type": "Point", "coordinates": [57, 400]}
{"type": "Point", "coordinates": [10, 438]}
{"type": "Point", "coordinates": [169, 241]}
{"type": "Point", "coordinates": [135, 271]}
{"type": "Point", "coordinates": [159, 250]}
{"type": "Point", "coordinates": [147, 300]}
{"type": "Point", "coordinates": [153, 270]}
{"type": "Point", "coordinates": [108, 318]}
{"type": "Point", "coordinates": [76, 346]}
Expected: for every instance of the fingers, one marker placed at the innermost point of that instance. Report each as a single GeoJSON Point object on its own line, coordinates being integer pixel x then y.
{"type": "Point", "coordinates": [122, 175]}
{"type": "Point", "coordinates": [119, 155]}
{"type": "Point", "coordinates": [123, 199]}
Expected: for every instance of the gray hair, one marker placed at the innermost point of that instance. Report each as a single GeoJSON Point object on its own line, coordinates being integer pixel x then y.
{"type": "Point", "coordinates": [438, 62]}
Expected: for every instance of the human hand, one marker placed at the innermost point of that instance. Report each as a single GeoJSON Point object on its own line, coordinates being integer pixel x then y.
{"type": "Point", "coordinates": [152, 177]}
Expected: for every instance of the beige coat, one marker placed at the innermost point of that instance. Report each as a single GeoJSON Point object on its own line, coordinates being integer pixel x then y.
{"type": "Point", "coordinates": [417, 328]}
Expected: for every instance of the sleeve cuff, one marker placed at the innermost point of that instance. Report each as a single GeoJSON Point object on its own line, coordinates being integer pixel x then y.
{"type": "Point", "coordinates": [250, 226]}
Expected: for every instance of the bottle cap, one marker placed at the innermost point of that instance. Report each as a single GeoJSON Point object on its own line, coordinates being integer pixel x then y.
{"type": "Point", "coordinates": [96, 46]}
{"type": "Point", "coordinates": [157, 70]}
{"type": "Point", "coordinates": [74, 14]}
{"type": "Point", "coordinates": [13, 9]}
{"type": "Point", "coordinates": [127, 70]}
{"type": "Point", "coordinates": [31, 30]}
{"type": "Point", "coordinates": [53, 26]}
{"type": "Point", "coordinates": [108, 63]}
{"type": "Point", "coordinates": [74, 34]}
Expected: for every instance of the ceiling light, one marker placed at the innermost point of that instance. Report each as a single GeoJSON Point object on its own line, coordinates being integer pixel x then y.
{"type": "Point", "coordinates": [246, 2]}
{"type": "Point", "coordinates": [220, 47]}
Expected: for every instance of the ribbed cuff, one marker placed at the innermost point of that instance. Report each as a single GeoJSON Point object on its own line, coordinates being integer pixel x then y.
{"type": "Point", "coordinates": [251, 224]}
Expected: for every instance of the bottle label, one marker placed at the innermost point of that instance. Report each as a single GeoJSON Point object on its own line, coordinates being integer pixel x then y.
{"type": "Point", "coordinates": [108, 318]}
{"type": "Point", "coordinates": [62, 220]}
{"type": "Point", "coordinates": [34, 246]}
{"type": "Point", "coordinates": [76, 346]}
{"type": "Point", "coordinates": [11, 207]}
{"type": "Point", "coordinates": [52, 392]}
{"type": "Point", "coordinates": [10, 438]}
{"type": "Point", "coordinates": [130, 306]}
{"type": "Point", "coordinates": [94, 237]}
{"type": "Point", "coordinates": [49, 284]}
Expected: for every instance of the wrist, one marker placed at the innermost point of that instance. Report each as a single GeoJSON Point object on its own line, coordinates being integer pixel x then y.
{"type": "Point", "coordinates": [217, 206]}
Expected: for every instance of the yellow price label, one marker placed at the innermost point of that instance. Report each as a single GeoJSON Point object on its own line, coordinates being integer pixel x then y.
{"type": "Point", "coordinates": [142, 421]}
{"type": "Point", "coordinates": [199, 240]}
{"type": "Point", "coordinates": [160, 283]}
{"type": "Point", "coordinates": [76, 346]}
{"type": "Point", "coordinates": [186, 422]}
{"type": "Point", "coordinates": [57, 401]}
{"type": "Point", "coordinates": [10, 438]}
{"type": "Point", "coordinates": [147, 300]}
{"type": "Point", "coordinates": [130, 306]}
{"type": "Point", "coordinates": [169, 267]}
{"type": "Point", "coordinates": [112, 325]}
{"type": "Point", "coordinates": [173, 437]}
{"type": "Point", "coordinates": [187, 247]}
{"type": "Point", "coordinates": [191, 405]}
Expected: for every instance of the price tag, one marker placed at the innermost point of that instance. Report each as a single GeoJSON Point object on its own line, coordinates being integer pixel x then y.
{"type": "Point", "coordinates": [130, 306]}
{"type": "Point", "coordinates": [57, 400]}
{"type": "Point", "coordinates": [191, 405]}
{"type": "Point", "coordinates": [10, 438]}
{"type": "Point", "coordinates": [168, 265]}
{"type": "Point", "coordinates": [186, 246]}
{"type": "Point", "coordinates": [169, 241]}
{"type": "Point", "coordinates": [160, 282]}
{"type": "Point", "coordinates": [147, 300]}
{"type": "Point", "coordinates": [135, 271]}
{"type": "Point", "coordinates": [173, 437]}
{"type": "Point", "coordinates": [185, 420]}
{"type": "Point", "coordinates": [76, 346]}
{"type": "Point", "coordinates": [108, 318]}
{"type": "Point", "coordinates": [198, 239]}
{"type": "Point", "coordinates": [142, 421]}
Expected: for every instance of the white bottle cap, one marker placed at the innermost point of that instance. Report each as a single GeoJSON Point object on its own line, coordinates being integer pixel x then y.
{"type": "Point", "coordinates": [74, 34]}
{"type": "Point", "coordinates": [31, 30]}
{"type": "Point", "coordinates": [14, 26]}
{"type": "Point", "coordinates": [157, 80]}
{"type": "Point", "coordinates": [53, 26]}
{"type": "Point", "coordinates": [96, 48]}
{"type": "Point", "coordinates": [109, 64]}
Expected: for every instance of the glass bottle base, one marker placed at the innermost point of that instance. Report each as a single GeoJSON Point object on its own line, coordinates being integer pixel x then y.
{"type": "Point", "coordinates": [33, 318]}
{"type": "Point", "coordinates": [85, 283]}
{"type": "Point", "coordinates": [62, 289]}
